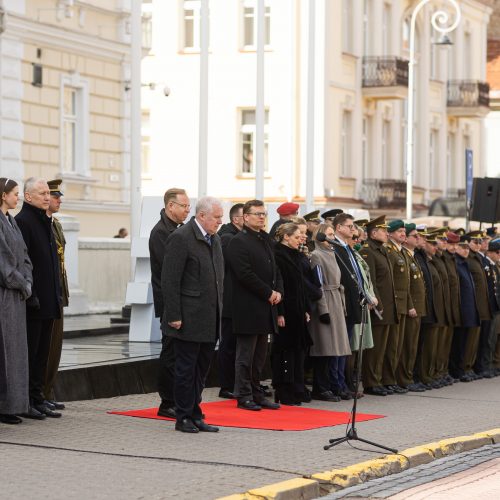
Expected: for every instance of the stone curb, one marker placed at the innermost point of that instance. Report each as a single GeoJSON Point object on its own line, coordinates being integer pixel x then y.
{"type": "Point", "coordinates": [322, 483]}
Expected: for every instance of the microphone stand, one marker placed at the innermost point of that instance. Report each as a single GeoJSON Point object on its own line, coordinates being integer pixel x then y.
{"type": "Point", "coordinates": [352, 433]}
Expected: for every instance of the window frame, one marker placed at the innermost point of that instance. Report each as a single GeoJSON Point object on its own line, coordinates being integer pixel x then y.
{"type": "Point", "coordinates": [267, 25]}
{"type": "Point", "coordinates": [252, 129]}
{"type": "Point", "coordinates": [196, 19]}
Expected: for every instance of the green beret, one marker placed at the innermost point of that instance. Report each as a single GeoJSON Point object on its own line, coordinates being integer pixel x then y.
{"type": "Point", "coordinates": [394, 225]}
{"type": "Point", "coordinates": [410, 227]}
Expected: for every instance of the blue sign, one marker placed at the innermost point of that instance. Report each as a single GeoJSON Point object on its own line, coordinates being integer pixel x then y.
{"type": "Point", "coordinates": [468, 176]}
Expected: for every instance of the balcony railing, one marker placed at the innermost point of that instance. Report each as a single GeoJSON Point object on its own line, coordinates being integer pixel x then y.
{"type": "Point", "coordinates": [383, 193]}
{"type": "Point", "coordinates": [468, 94]}
{"type": "Point", "coordinates": [384, 72]}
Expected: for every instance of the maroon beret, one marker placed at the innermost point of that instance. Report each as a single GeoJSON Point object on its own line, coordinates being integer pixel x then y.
{"type": "Point", "coordinates": [452, 237]}
{"type": "Point", "coordinates": [288, 208]}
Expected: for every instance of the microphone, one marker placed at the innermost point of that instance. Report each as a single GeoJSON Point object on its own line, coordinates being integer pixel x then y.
{"type": "Point", "coordinates": [321, 237]}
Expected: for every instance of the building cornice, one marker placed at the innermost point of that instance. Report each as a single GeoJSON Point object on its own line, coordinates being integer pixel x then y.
{"type": "Point", "coordinates": [95, 206]}
{"type": "Point", "coordinates": [28, 30]}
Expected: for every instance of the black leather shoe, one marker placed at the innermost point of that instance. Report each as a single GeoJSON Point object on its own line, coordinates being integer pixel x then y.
{"type": "Point", "coordinates": [415, 388]}
{"type": "Point", "coordinates": [224, 393]}
{"type": "Point", "coordinates": [269, 405]}
{"type": "Point", "coordinates": [325, 396]}
{"type": "Point", "coordinates": [33, 413]}
{"type": "Point", "coordinates": [54, 405]}
{"type": "Point", "coordinates": [388, 389]}
{"type": "Point", "coordinates": [45, 410]}
{"type": "Point", "coordinates": [166, 412]}
{"type": "Point", "coordinates": [186, 425]}
{"type": "Point", "coordinates": [399, 390]}
{"type": "Point", "coordinates": [376, 391]}
{"type": "Point", "coordinates": [249, 405]}
{"type": "Point", "coordinates": [346, 396]}
{"type": "Point", "coordinates": [204, 427]}
{"type": "Point", "coordinates": [10, 419]}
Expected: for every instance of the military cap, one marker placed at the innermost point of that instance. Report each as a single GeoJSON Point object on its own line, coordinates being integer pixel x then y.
{"type": "Point", "coordinates": [465, 238]}
{"type": "Point", "coordinates": [394, 225]}
{"type": "Point", "coordinates": [55, 187]}
{"type": "Point", "coordinates": [378, 222]}
{"type": "Point", "coordinates": [441, 233]}
{"type": "Point", "coordinates": [288, 208]}
{"type": "Point", "coordinates": [361, 223]}
{"type": "Point", "coordinates": [422, 229]}
{"type": "Point", "coordinates": [452, 237]}
{"type": "Point", "coordinates": [312, 216]}
{"type": "Point", "coordinates": [460, 231]}
{"type": "Point", "coordinates": [491, 231]}
{"type": "Point", "coordinates": [410, 227]}
{"type": "Point", "coordinates": [494, 245]}
{"type": "Point", "coordinates": [330, 214]}
{"type": "Point", "coordinates": [431, 238]}
{"type": "Point", "coordinates": [476, 235]}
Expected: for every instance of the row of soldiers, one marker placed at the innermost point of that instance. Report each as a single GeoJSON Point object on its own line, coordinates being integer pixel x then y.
{"type": "Point", "coordinates": [438, 293]}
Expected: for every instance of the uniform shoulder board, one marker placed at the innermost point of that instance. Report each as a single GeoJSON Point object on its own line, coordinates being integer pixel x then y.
{"type": "Point", "coordinates": [365, 245]}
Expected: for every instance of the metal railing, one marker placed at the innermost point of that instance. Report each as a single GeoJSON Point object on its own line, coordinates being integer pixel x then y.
{"type": "Point", "coordinates": [468, 94]}
{"type": "Point", "coordinates": [384, 72]}
{"type": "Point", "coordinates": [383, 193]}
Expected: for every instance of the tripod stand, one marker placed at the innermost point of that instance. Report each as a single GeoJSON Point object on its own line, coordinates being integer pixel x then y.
{"type": "Point", "coordinates": [352, 433]}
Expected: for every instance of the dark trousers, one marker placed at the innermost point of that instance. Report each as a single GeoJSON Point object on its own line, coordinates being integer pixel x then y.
{"type": "Point", "coordinates": [393, 350]}
{"type": "Point", "coordinates": [56, 343]}
{"type": "Point", "coordinates": [427, 360]}
{"type": "Point", "coordinates": [338, 368]}
{"type": "Point", "coordinates": [226, 355]}
{"type": "Point", "coordinates": [251, 351]}
{"type": "Point", "coordinates": [192, 362]}
{"type": "Point", "coordinates": [484, 351]}
{"type": "Point", "coordinates": [166, 372]}
{"type": "Point", "coordinates": [373, 358]}
{"type": "Point", "coordinates": [321, 373]}
{"type": "Point", "coordinates": [457, 354]}
{"type": "Point", "coordinates": [288, 373]}
{"type": "Point", "coordinates": [39, 332]}
{"type": "Point", "coordinates": [471, 345]}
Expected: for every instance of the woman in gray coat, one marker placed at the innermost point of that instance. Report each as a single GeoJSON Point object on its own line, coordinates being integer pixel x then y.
{"type": "Point", "coordinates": [15, 288]}
{"type": "Point", "coordinates": [327, 327]}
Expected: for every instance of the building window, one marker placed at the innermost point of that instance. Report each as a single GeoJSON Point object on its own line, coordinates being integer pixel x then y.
{"type": "Point", "coordinates": [191, 24]}
{"type": "Point", "coordinates": [248, 132]}
{"type": "Point", "coordinates": [146, 144]}
{"type": "Point", "coordinates": [347, 30]}
{"type": "Point", "coordinates": [147, 23]}
{"type": "Point", "coordinates": [249, 25]}
{"type": "Point", "coordinates": [386, 30]}
{"type": "Point", "coordinates": [345, 144]}
{"type": "Point", "coordinates": [433, 158]}
{"type": "Point", "coordinates": [386, 149]}
{"type": "Point", "coordinates": [74, 130]}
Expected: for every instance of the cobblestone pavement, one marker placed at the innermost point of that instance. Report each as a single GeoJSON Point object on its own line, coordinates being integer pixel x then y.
{"type": "Point", "coordinates": [473, 474]}
{"type": "Point", "coordinates": [90, 454]}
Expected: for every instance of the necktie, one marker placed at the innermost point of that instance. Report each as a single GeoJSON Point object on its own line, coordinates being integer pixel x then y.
{"type": "Point", "coordinates": [209, 239]}
{"type": "Point", "coordinates": [354, 264]}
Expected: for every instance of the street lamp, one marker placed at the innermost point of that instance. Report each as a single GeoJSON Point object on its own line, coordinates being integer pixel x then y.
{"type": "Point", "coordinates": [439, 21]}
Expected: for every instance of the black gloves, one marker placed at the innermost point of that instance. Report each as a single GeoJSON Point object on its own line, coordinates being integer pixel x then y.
{"type": "Point", "coordinates": [324, 318]}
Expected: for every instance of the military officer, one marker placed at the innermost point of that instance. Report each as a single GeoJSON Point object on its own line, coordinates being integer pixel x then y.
{"type": "Point", "coordinates": [312, 219]}
{"type": "Point", "coordinates": [58, 326]}
{"type": "Point", "coordinates": [375, 254]}
{"type": "Point", "coordinates": [329, 215]}
{"type": "Point", "coordinates": [404, 306]}
{"type": "Point", "coordinates": [404, 373]}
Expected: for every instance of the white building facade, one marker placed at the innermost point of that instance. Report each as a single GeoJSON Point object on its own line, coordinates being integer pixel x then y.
{"type": "Point", "coordinates": [360, 96]}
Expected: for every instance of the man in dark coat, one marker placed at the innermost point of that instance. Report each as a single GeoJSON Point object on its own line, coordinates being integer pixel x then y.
{"type": "Point", "coordinates": [257, 290]}
{"type": "Point", "coordinates": [171, 217]}
{"type": "Point", "coordinates": [493, 256]}
{"type": "Point", "coordinates": [192, 284]}
{"type": "Point", "coordinates": [44, 305]}
{"type": "Point", "coordinates": [375, 254]}
{"type": "Point", "coordinates": [227, 343]}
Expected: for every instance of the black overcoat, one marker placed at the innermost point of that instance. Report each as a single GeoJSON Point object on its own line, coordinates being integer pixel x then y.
{"type": "Point", "coordinates": [157, 241]}
{"type": "Point", "coordinates": [227, 232]}
{"type": "Point", "coordinates": [36, 228]}
{"type": "Point", "coordinates": [294, 335]}
{"type": "Point", "coordinates": [255, 275]}
{"type": "Point", "coordinates": [476, 267]}
{"type": "Point", "coordinates": [468, 309]}
{"type": "Point", "coordinates": [192, 284]}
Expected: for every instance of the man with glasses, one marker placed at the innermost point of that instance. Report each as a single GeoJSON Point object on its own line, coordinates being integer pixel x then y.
{"type": "Point", "coordinates": [172, 216]}
{"type": "Point", "coordinates": [257, 290]}
{"type": "Point", "coordinates": [227, 342]}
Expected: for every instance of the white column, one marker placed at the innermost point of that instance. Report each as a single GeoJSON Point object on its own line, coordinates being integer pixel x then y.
{"type": "Point", "coordinates": [259, 107]}
{"type": "Point", "coordinates": [310, 107]}
{"type": "Point", "coordinates": [203, 124]}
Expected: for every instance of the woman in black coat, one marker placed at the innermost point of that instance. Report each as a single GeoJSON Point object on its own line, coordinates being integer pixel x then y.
{"type": "Point", "coordinates": [291, 341]}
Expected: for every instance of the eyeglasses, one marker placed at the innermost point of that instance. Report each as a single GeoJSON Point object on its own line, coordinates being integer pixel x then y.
{"type": "Point", "coordinates": [183, 205]}
{"type": "Point", "coordinates": [355, 237]}
{"type": "Point", "coordinates": [349, 226]}
{"type": "Point", "coordinates": [258, 214]}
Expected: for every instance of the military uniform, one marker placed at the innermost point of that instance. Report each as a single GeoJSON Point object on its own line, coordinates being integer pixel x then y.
{"type": "Point", "coordinates": [375, 254]}
{"type": "Point", "coordinates": [401, 280]}
{"type": "Point", "coordinates": [58, 326]}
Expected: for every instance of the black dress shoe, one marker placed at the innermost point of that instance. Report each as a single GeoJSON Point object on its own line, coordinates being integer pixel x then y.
{"type": "Point", "coordinates": [10, 419]}
{"type": "Point", "coordinates": [33, 413]}
{"type": "Point", "coordinates": [415, 388]}
{"type": "Point", "coordinates": [204, 427]}
{"type": "Point", "coordinates": [399, 390]}
{"type": "Point", "coordinates": [224, 393]}
{"type": "Point", "coordinates": [186, 425]}
{"type": "Point", "coordinates": [54, 405]}
{"type": "Point", "coordinates": [388, 389]}
{"type": "Point", "coordinates": [376, 391]}
{"type": "Point", "coordinates": [268, 405]}
{"type": "Point", "coordinates": [45, 410]}
{"type": "Point", "coordinates": [249, 405]}
{"type": "Point", "coordinates": [345, 395]}
{"type": "Point", "coordinates": [166, 412]}
{"type": "Point", "coordinates": [325, 396]}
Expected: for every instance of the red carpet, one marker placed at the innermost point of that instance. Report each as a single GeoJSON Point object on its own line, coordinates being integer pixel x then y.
{"type": "Point", "coordinates": [287, 418]}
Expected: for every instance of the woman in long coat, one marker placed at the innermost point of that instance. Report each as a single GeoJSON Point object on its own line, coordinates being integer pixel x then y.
{"type": "Point", "coordinates": [15, 288]}
{"type": "Point", "coordinates": [290, 343]}
{"type": "Point", "coordinates": [328, 327]}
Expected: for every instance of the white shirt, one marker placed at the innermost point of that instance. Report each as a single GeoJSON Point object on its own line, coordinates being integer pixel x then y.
{"type": "Point", "coordinates": [203, 232]}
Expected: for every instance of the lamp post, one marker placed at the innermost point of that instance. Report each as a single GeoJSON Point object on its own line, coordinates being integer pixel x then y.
{"type": "Point", "coordinates": [439, 21]}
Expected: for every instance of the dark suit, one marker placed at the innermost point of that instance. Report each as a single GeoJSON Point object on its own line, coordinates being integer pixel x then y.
{"type": "Point", "coordinates": [255, 276]}
{"type": "Point", "coordinates": [192, 283]}
{"type": "Point", "coordinates": [166, 366]}
{"type": "Point", "coordinates": [44, 305]}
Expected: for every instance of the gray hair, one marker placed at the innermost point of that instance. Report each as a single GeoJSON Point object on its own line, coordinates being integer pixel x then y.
{"type": "Point", "coordinates": [206, 204]}
{"type": "Point", "coordinates": [31, 182]}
